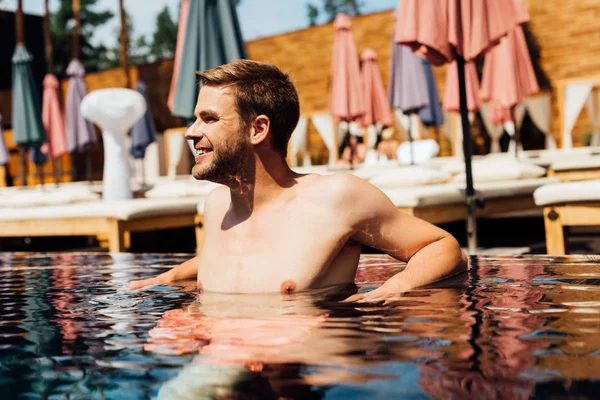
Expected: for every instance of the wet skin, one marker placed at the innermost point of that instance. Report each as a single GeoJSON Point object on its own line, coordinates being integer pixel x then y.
{"type": "Point", "coordinates": [269, 229]}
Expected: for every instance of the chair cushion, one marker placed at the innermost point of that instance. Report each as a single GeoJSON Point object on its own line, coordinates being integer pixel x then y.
{"type": "Point", "coordinates": [568, 192]}
{"type": "Point", "coordinates": [501, 169]}
{"type": "Point", "coordinates": [118, 209]}
{"type": "Point", "coordinates": [575, 163]}
{"type": "Point", "coordinates": [46, 195]}
{"type": "Point", "coordinates": [180, 188]}
{"type": "Point", "coordinates": [409, 176]}
{"type": "Point", "coordinates": [452, 193]}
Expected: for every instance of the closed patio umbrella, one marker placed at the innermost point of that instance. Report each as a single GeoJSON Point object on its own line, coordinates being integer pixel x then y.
{"type": "Point", "coordinates": [346, 102]}
{"type": "Point", "coordinates": [377, 107]}
{"type": "Point", "coordinates": [143, 131]}
{"type": "Point", "coordinates": [408, 87]}
{"type": "Point", "coordinates": [28, 130]}
{"type": "Point", "coordinates": [508, 77]}
{"type": "Point", "coordinates": [461, 30]}
{"type": "Point", "coordinates": [81, 136]}
{"type": "Point", "coordinates": [212, 38]}
{"type": "Point", "coordinates": [432, 114]}
{"type": "Point", "coordinates": [181, 28]}
{"type": "Point", "coordinates": [53, 120]}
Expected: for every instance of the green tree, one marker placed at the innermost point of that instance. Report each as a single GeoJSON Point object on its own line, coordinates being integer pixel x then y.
{"type": "Point", "coordinates": [164, 38]}
{"type": "Point", "coordinates": [332, 8]}
{"type": "Point", "coordinates": [62, 22]}
{"type": "Point", "coordinates": [312, 13]}
{"type": "Point", "coordinates": [138, 49]}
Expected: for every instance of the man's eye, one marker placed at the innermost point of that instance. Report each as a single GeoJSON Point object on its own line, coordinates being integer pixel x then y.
{"type": "Point", "coordinates": [210, 119]}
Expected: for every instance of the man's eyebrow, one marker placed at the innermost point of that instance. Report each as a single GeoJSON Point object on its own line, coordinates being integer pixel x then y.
{"type": "Point", "coordinates": [207, 113]}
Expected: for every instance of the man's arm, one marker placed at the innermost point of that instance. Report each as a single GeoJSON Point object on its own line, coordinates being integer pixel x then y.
{"type": "Point", "coordinates": [185, 270]}
{"type": "Point", "coordinates": [431, 253]}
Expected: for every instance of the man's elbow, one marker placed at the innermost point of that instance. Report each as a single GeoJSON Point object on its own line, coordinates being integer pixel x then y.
{"type": "Point", "coordinates": [461, 260]}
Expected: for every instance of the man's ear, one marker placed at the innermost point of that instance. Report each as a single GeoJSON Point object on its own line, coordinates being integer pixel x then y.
{"type": "Point", "coordinates": [261, 128]}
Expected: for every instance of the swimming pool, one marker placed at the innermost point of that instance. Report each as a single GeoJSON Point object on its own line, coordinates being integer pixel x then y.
{"type": "Point", "coordinates": [516, 327]}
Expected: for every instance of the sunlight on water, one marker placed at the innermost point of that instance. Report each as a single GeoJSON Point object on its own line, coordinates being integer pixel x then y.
{"type": "Point", "coordinates": [513, 328]}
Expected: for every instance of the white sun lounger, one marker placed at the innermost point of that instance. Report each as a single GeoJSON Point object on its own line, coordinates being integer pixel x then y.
{"type": "Point", "coordinates": [111, 220]}
{"type": "Point", "coordinates": [567, 204]}
{"type": "Point", "coordinates": [580, 168]}
{"type": "Point", "coordinates": [445, 202]}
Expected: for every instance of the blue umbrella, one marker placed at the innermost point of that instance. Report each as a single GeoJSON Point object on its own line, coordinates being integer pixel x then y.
{"type": "Point", "coordinates": [212, 38]}
{"type": "Point", "coordinates": [408, 86]}
{"type": "Point", "coordinates": [143, 132]}
{"type": "Point", "coordinates": [28, 129]}
{"type": "Point", "coordinates": [432, 114]}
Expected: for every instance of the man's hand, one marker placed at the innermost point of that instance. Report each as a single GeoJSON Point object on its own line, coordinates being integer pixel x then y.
{"type": "Point", "coordinates": [185, 270]}
{"type": "Point", "coordinates": [391, 290]}
{"type": "Point", "coordinates": [165, 277]}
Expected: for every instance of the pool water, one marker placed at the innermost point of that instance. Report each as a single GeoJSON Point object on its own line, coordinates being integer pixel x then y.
{"type": "Point", "coordinates": [512, 328]}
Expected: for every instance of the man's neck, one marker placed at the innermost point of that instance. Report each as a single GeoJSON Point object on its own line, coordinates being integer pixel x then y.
{"type": "Point", "coordinates": [263, 180]}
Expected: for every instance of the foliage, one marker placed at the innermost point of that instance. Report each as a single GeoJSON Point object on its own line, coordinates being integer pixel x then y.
{"type": "Point", "coordinates": [62, 22]}
{"type": "Point", "coordinates": [165, 36]}
{"type": "Point", "coordinates": [332, 7]}
{"type": "Point", "coordinates": [312, 13]}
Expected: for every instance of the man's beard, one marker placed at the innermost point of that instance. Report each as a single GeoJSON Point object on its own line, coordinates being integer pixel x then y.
{"type": "Point", "coordinates": [226, 165]}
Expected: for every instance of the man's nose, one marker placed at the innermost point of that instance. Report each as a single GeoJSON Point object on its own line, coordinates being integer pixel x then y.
{"type": "Point", "coordinates": [194, 131]}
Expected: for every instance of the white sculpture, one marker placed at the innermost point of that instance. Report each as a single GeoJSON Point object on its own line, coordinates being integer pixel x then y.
{"type": "Point", "coordinates": [114, 111]}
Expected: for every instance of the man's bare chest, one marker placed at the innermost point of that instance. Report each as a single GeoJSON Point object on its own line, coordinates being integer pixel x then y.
{"type": "Point", "coordinates": [271, 256]}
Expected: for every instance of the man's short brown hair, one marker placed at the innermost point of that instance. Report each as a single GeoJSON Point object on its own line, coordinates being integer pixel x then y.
{"type": "Point", "coordinates": [260, 88]}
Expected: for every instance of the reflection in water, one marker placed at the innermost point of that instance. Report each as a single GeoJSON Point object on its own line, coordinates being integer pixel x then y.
{"type": "Point", "coordinates": [514, 328]}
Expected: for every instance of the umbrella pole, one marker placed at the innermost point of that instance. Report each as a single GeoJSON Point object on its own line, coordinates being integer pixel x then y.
{"type": "Point", "coordinates": [40, 172]}
{"type": "Point", "coordinates": [23, 166]}
{"type": "Point", "coordinates": [88, 167]}
{"type": "Point", "coordinates": [517, 137]}
{"type": "Point", "coordinates": [410, 141]}
{"type": "Point", "coordinates": [467, 150]}
{"type": "Point", "coordinates": [143, 171]}
{"type": "Point", "coordinates": [56, 169]}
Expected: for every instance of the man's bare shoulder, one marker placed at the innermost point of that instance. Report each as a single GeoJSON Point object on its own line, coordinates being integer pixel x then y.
{"type": "Point", "coordinates": [339, 188]}
{"type": "Point", "coordinates": [218, 198]}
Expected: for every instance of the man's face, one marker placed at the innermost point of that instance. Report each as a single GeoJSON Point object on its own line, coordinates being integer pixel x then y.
{"type": "Point", "coordinates": [219, 136]}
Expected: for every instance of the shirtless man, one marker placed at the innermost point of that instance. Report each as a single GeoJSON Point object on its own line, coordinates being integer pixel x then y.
{"type": "Point", "coordinates": [269, 229]}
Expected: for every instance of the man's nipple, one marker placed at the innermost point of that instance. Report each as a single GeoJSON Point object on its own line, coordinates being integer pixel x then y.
{"type": "Point", "coordinates": [288, 287]}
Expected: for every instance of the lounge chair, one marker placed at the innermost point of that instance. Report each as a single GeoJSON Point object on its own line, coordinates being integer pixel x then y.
{"type": "Point", "coordinates": [111, 221]}
{"type": "Point", "coordinates": [442, 203]}
{"type": "Point", "coordinates": [567, 204]}
{"type": "Point", "coordinates": [584, 167]}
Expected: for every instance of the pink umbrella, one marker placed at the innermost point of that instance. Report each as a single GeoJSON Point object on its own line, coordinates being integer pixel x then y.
{"type": "Point", "coordinates": [53, 119]}
{"type": "Point", "coordinates": [451, 96]}
{"type": "Point", "coordinates": [345, 97]}
{"type": "Point", "coordinates": [183, 17]}
{"type": "Point", "coordinates": [440, 29]}
{"type": "Point", "coordinates": [444, 30]}
{"type": "Point", "coordinates": [508, 76]}
{"type": "Point", "coordinates": [377, 107]}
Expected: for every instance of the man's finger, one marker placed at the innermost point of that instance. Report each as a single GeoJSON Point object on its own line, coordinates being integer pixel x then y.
{"type": "Point", "coordinates": [143, 283]}
{"type": "Point", "coordinates": [354, 297]}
